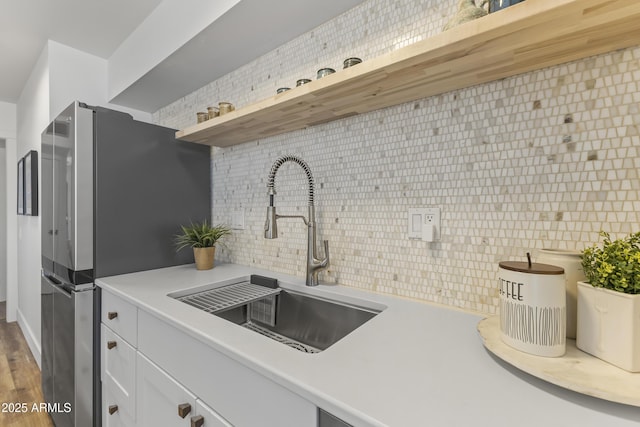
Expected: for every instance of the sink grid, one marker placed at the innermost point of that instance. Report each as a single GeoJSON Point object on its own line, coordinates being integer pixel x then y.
{"type": "Point", "coordinates": [305, 348]}
{"type": "Point", "coordinates": [227, 297]}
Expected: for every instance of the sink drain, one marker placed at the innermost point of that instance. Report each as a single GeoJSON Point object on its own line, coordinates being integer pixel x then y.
{"type": "Point", "coordinates": [281, 338]}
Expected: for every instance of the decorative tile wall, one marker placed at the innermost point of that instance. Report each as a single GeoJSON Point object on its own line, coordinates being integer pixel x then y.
{"type": "Point", "coordinates": [541, 160]}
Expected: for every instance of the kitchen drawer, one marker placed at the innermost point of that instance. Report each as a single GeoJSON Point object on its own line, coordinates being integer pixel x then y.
{"type": "Point", "coordinates": [162, 400]}
{"type": "Point", "coordinates": [210, 417]}
{"type": "Point", "coordinates": [120, 316]}
{"type": "Point", "coordinates": [118, 372]}
{"type": "Point", "coordinates": [119, 418]}
{"type": "Point", "coordinates": [240, 395]}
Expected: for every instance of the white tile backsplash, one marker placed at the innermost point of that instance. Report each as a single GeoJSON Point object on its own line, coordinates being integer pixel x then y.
{"type": "Point", "coordinates": [543, 159]}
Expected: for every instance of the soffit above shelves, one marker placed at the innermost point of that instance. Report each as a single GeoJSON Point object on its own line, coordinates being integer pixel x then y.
{"type": "Point", "coordinates": [248, 30]}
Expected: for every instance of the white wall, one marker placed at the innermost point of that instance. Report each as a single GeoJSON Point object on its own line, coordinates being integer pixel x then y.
{"type": "Point", "coordinates": [78, 76]}
{"type": "Point", "coordinates": [3, 224]}
{"type": "Point", "coordinates": [67, 84]}
{"type": "Point", "coordinates": [32, 118]}
{"type": "Point", "coordinates": [10, 275]}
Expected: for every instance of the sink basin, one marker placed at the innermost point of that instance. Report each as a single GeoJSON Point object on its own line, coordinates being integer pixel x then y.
{"type": "Point", "coordinates": [306, 322]}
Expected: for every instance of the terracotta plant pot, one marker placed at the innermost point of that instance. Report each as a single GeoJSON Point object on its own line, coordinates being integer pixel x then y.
{"type": "Point", "coordinates": [204, 257]}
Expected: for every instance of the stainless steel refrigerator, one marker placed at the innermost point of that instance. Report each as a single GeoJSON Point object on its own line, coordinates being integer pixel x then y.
{"type": "Point", "coordinates": [114, 191]}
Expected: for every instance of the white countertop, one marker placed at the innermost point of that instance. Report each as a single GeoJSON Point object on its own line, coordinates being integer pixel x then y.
{"type": "Point", "coordinates": [414, 364]}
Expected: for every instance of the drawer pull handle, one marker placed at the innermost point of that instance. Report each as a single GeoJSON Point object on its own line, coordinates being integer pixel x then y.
{"type": "Point", "coordinates": [113, 409]}
{"type": "Point", "coordinates": [197, 421]}
{"type": "Point", "coordinates": [111, 344]}
{"type": "Point", "coordinates": [184, 409]}
{"type": "Point", "coordinates": [112, 315]}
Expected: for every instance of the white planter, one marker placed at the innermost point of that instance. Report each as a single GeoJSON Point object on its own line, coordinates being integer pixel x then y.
{"type": "Point", "coordinates": [609, 326]}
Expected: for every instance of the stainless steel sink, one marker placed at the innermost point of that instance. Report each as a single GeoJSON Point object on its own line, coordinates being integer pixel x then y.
{"type": "Point", "coordinates": [306, 322]}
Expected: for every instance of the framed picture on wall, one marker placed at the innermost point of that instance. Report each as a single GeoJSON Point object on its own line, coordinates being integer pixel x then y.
{"type": "Point", "coordinates": [31, 183]}
{"type": "Point", "coordinates": [21, 186]}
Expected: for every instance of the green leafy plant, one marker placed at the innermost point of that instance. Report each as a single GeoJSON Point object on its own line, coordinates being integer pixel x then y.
{"type": "Point", "coordinates": [200, 235]}
{"type": "Point", "coordinates": [615, 265]}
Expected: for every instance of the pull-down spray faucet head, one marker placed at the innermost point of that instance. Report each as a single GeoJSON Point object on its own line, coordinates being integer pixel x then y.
{"type": "Point", "coordinates": [271, 225]}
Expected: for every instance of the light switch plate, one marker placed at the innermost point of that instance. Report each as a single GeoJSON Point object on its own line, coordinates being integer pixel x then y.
{"type": "Point", "coordinates": [415, 218]}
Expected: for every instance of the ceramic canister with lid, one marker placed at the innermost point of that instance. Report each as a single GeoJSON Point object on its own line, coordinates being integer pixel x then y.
{"type": "Point", "coordinates": [571, 261]}
{"type": "Point", "coordinates": [533, 307]}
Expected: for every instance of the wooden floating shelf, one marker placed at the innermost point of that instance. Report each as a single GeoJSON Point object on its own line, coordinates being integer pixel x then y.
{"type": "Point", "coordinates": [576, 370]}
{"type": "Point", "coordinates": [527, 36]}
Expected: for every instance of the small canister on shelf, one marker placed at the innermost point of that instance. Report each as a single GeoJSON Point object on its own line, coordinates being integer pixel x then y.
{"type": "Point", "coordinates": [213, 112]}
{"type": "Point", "coordinates": [202, 116]}
{"type": "Point", "coordinates": [325, 72]}
{"type": "Point", "coordinates": [533, 307]}
{"type": "Point", "coordinates": [225, 107]}
{"type": "Point", "coordinates": [350, 62]}
{"type": "Point", "coordinates": [301, 82]}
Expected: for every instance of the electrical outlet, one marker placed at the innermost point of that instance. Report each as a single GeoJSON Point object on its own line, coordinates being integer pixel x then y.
{"type": "Point", "coordinates": [432, 220]}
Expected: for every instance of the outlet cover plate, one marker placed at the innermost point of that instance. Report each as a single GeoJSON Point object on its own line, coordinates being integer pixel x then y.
{"type": "Point", "coordinates": [432, 216]}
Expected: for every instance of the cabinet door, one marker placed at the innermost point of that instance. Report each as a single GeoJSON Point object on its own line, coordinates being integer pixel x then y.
{"type": "Point", "coordinates": [161, 400]}
{"type": "Point", "coordinates": [118, 372]}
{"type": "Point", "coordinates": [112, 413]}
{"type": "Point", "coordinates": [210, 417]}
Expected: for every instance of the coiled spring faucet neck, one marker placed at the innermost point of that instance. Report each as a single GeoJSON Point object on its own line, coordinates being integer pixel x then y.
{"type": "Point", "coordinates": [314, 263]}
{"type": "Point", "coordinates": [274, 169]}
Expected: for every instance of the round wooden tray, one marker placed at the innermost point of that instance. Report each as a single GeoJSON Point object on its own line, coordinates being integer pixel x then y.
{"type": "Point", "coordinates": [576, 370]}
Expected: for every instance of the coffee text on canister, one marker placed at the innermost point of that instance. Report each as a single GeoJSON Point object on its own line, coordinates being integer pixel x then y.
{"type": "Point", "coordinates": [511, 289]}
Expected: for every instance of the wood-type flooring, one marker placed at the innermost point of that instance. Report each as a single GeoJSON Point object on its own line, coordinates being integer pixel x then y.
{"type": "Point", "coordinates": [20, 392]}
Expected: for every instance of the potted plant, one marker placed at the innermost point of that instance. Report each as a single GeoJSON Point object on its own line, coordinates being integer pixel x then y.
{"type": "Point", "coordinates": [609, 304]}
{"type": "Point", "coordinates": [202, 237]}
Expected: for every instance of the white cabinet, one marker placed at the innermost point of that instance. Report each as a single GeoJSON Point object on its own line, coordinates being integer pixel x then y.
{"type": "Point", "coordinates": [120, 316]}
{"type": "Point", "coordinates": [161, 399]}
{"type": "Point", "coordinates": [135, 390]}
{"type": "Point", "coordinates": [112, 416]}
{"type": "Point", "coordinates": [118, 376]}
{"type": "Point", "coordinates": [210, 418]}
{"type": "Point", "coordinates": [118, 361]}
{"type": "Point", "coordinates": [164, 401]}
{"type": "Point", "coordinates": [242, 396]}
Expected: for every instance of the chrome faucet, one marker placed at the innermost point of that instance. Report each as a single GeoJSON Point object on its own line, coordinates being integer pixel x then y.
{"type": "Point", "coordinates": [314, 264]}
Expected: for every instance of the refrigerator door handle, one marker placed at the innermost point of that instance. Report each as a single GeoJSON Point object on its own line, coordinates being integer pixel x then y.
{"type": "Point", "coordinates": [57, 285]}
{"type": "Point", "coordinates": [66, 288]}
{"type": "Point", "coordinates": [52, 280]}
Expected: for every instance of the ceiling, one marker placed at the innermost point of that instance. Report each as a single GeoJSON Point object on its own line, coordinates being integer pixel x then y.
{"type": "Point", "coordinates": [92, 26]}
{"type": "Point", "coordinates": [99, 27]}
